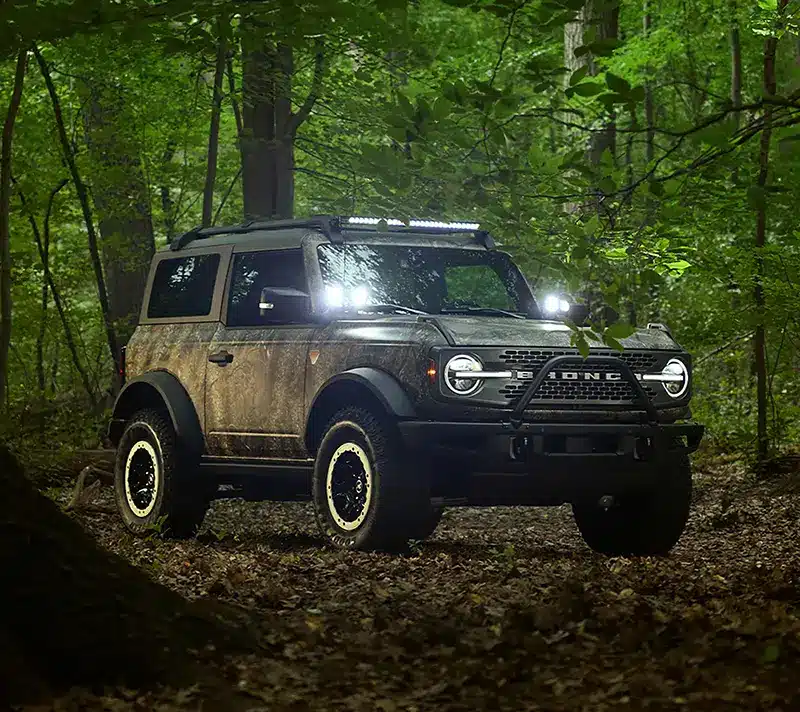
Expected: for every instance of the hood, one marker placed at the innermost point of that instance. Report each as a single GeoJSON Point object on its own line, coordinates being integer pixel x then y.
{"type": "Point", "coordinates": [502, 331]}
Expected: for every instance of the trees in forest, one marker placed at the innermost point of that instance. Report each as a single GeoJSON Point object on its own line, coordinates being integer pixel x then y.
{"type": "Point", "coordinates": [658, 120]}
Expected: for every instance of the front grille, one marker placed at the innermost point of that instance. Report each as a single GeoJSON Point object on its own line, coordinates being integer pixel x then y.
{"type": "Point", "coordinates": [534, 359]}
{"type": "Point", "coordinates": [576, 391]}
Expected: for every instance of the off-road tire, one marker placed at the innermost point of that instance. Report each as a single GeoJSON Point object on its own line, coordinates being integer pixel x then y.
{"type": "Point", "coordinates": [642, 524]}
{"type": "Point", "coordinates": [399, 499]}
{"type": "Point", "coordinates": [181, 497]}
{"type": "Point", "coordinates": [428, 522]}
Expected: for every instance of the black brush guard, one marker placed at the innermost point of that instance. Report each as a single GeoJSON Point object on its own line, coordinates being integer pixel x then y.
{"type": "Point", "coordinates": [644, 441]}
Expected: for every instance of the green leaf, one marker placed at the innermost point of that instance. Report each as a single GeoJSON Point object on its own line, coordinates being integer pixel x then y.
{"type": "Point", "coordinates": [656, 188]}
{"type": "Point", "coordinates": [577, 75]}
{"type": "Point", "coordinates": [604, 48]}
{"type": "Point", "coordinates": [585, 89]}
{"type": "Point", "coordinates": [636, 94]}
{"type": "Point", "coordinates": [579, 340]}
{"type": "Point", "coordinates": [620, 330]}
{"type": "Point", "coordinates": [613, 343]}
{"type": "Point", "coordinates": [618, 84]}
{"type": "Point", "coordinates": [679, 266]}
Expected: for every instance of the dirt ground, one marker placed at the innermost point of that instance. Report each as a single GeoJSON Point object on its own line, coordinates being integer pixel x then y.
{"type": "Point", "coordinates": [502, 609]}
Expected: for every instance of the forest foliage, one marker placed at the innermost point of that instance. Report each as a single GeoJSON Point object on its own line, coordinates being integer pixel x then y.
{"type": "Point", "coordinates": [645, 155]}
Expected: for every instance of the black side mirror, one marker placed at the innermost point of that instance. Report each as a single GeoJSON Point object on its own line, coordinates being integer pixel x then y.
{"type": "Point", "coordinates": [285, 298]}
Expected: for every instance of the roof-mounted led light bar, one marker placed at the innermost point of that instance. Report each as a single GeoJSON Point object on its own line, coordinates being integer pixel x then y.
{"type": "Point", "coordinates": [435, 224]}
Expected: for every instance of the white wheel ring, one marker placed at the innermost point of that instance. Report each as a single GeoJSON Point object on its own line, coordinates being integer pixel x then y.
{"type": "Point", "coordinates": [150, 450]}
{"type": "Point", "coordinates": [359, 452]}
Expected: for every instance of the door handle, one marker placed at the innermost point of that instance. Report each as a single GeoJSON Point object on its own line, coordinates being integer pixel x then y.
{"type": "Point", "coordinates": [221, 358]}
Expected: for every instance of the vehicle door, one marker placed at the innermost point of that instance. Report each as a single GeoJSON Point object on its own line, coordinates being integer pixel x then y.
{"type": "Point", "coordinates": [255, 383]}
{"type": "Point", "coordinates": [179, 318]}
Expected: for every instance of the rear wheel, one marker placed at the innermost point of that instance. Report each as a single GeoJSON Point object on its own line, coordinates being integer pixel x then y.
{"type": "Point", "coordinates": [642, 524]}
{"type": "Point", "coordinates": [158, 487]}
{"type": "Point", "coordinates": [363, 497]}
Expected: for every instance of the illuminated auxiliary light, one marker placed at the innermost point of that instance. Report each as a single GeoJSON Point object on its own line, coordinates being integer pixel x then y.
{"type": "Point", "coordinates": [394, 222]}
{"type": "Point", "coordinates": [359, 297]}
{"type": "Point", "coordinates": [335, 297]}
{"type": "Point", "coordinates": [554, 304]}
{"type": "Point", "coordinates": [374, 221]}
{"type": "Point", "coordinates": [445, 225]}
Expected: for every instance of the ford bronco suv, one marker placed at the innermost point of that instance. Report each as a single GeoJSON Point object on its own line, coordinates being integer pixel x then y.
{"type": "Point", "coordinates": [387, 370]}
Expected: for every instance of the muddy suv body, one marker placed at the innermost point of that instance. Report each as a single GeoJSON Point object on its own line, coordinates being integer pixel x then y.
{"type": "Point", "coordinates": [386, 372]}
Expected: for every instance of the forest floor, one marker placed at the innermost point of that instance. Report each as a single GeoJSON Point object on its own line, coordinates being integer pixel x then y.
{"type": "Point", "coordinates": [501, 609]}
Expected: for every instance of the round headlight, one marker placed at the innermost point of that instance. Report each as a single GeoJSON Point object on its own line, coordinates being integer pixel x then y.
{"type": "Point", "coordinates": [679, 378]}
{"type": "Point", "coordinates": [459, 365]}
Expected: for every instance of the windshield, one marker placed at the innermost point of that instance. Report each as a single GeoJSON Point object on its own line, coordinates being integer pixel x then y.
{"type": "Point", "coordinates": [433, 280]}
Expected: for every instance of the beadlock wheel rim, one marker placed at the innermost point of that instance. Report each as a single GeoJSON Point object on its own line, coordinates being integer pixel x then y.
{"type": "Point", "coordinates": [142, 478]}
{"type": "Point", "coordinates": [349, 486]}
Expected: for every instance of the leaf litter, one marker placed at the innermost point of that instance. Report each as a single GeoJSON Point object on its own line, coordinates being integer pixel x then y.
{"type": "Point", "coordinates": [502, 609]}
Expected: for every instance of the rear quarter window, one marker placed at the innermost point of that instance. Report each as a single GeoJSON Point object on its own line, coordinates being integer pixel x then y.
{"type": "Point", "coordinates": [183, 286]}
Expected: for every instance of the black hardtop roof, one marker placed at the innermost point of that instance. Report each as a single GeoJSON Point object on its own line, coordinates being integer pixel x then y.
{"type": "Point", "coordinates": [287, 234]}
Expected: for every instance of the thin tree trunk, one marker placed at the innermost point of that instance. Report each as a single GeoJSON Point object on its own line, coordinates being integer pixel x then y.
{"type": "Point", "coordinates": [45, 256]}
{"type": "Point", "coordinates": [284, 135]}
{"type": "Point", "coordinates": [83, 197]}
{"type": "Point", "coordinates": [237, 114]}
{"type": "Point", "coordinates": [48, 274]}
{"type": "Point", "coordinates": [5, 234]}
{"type": "Point", "coordinates": [759, 342]}
{"type": "Point", "coordinates": [736, 70]}
{"type": "Point", "coordinates": [213, 133]}
{"type": "Point", "coordinates": [167, 205]}
{"type": "Point", "coordinates": [649, 112]}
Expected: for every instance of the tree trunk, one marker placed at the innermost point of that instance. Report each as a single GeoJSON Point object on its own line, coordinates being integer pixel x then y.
{"type": "Point", "coordinates": [83, 197]}
{"type": "Point", "coordinates": [74, 614]}
{"type": "Point", "coordinates": [5, 209]}
{"type": "Point", "coordinates": [269, 126]}
{"type": "Point", "coordinates": [759, 342]}
{"type": "Point", "coordinates": [122, 202]}
{"type": "Point", "coordinates": [606, 23]}
{"type": "Point", "coordinates": [213, 132]}
{"type": "Point", "coordinates": [258, 125]}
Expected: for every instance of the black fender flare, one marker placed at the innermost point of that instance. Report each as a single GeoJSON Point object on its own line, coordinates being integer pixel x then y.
{"type": "Point", "coordinates": [384, 387]}
{"type": "Point", "coordinates": [164, 387]}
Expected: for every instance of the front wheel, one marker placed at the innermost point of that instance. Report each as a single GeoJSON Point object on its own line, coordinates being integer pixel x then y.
{"type": "Point", "coordinates": [157, 486]}
{"type": "Point", "coordinates": [364, 496]}
{"type": "Point", "coordinates": [642, 524]}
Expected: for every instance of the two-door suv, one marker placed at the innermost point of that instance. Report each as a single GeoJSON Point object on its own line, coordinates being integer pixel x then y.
{"type": "Point", "coordinates": [387, 370]}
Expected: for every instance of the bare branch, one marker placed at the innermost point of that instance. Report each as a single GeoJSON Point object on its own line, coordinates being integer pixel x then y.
{"type": "Point", "coordinates": [304, 111]}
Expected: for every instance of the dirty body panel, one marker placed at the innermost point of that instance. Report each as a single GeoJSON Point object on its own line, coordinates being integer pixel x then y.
{"type": "Point", "coordinates": [254, 403]}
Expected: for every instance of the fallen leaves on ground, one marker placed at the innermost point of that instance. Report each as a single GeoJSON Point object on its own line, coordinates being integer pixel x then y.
{"type": "Point", "coordinates": [503, 608]}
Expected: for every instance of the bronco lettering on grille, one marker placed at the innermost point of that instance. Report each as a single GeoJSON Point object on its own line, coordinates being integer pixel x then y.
{"type": "Point", "coordinates": [576, 376]}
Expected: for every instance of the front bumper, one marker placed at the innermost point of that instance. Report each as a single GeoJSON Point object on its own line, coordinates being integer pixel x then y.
{"type": "Point", "coordinates": [551, 461]}
{"type": "Point", "coordinates": [534, 463]}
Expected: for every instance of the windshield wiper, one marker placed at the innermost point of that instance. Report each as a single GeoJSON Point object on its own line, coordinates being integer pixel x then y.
{"type": "Point", "coordinates": [390, 308]}
{"type": "Point", "coordinates": [482, 310]}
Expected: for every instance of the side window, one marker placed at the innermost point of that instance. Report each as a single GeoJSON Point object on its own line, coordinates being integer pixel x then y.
{"type": "Point", "coordinates": [251, 272]}
{"type": "Point", "coordinates": [477, 285]}
{"type": "Point", "coordinates": [183, 286]}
